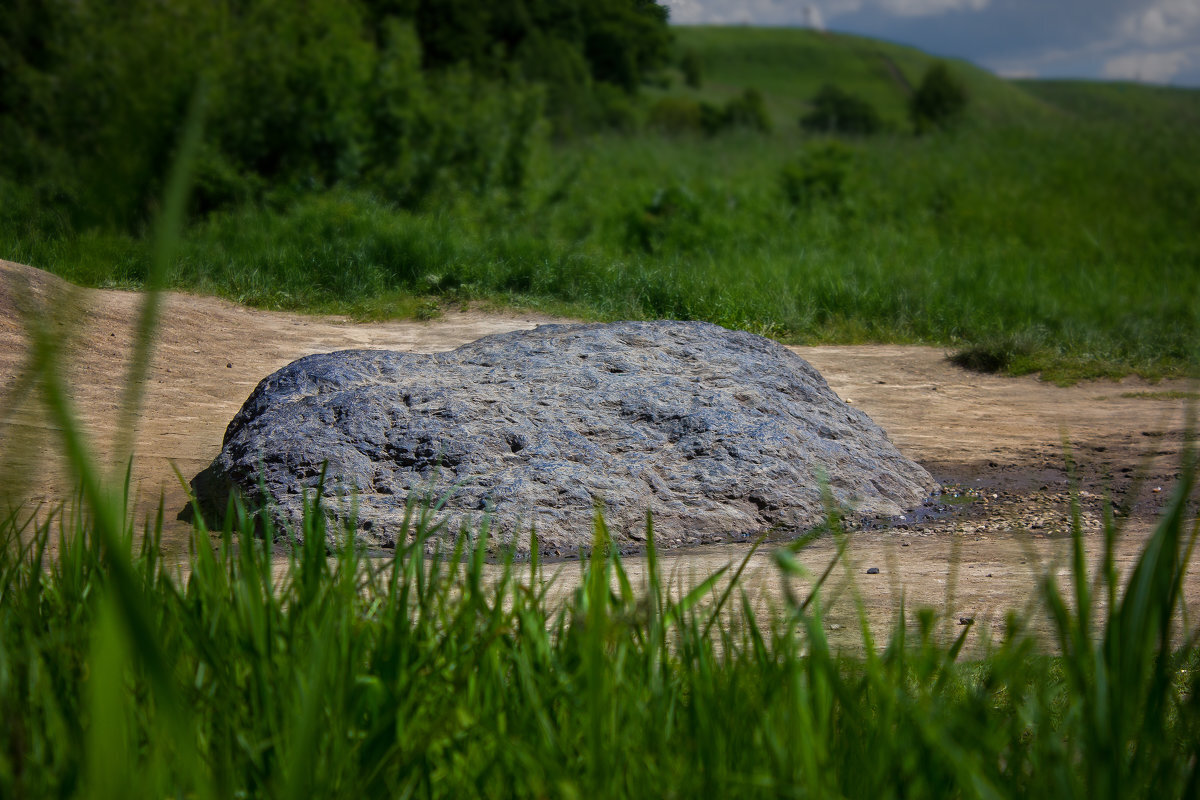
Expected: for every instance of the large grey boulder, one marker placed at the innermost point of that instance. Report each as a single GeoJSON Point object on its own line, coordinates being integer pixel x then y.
{"type": "Point", "coordinates": [720, 434]}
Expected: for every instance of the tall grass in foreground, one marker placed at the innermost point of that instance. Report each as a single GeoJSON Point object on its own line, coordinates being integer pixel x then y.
{"type": "Point", "coordinates": [349, 677]}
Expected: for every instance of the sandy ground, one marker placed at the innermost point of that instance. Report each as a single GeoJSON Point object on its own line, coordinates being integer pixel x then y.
{"type": "Point", "coordinates": [996, 442]}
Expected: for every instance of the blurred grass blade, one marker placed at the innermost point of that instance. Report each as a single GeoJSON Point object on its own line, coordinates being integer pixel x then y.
{"type": "Point", "coordinates": [167, 233]}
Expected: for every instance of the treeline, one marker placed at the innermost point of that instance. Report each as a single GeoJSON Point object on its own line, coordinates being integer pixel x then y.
{"type": "Point", "coordinates": [406, 97]}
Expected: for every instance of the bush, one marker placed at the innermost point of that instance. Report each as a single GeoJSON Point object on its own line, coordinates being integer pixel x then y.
{"type": "Point", "coordinates": [837, 111]}
{"type": "Point", "coordinates": [1003, 352]}
{"type": "Point", "coordinates": [682, 114]}
{"type": "Point", "coordinates": [689, 64]}
{"type": "Point", "coordinates": [939, 100]}
{"type": "Point", "coordinates": [671, 219]}
{"type": "Point", "coordinates": [613, 109]}
{"type": "Point", "coordinates": [748, 110]}
{"type": "Point", "coordinates": [571, 97]}
{"type": "Point", "coordinates": [713, 118]}
{"type": "Point", "coordinates": [676, 115]}
{"type": "Point", "coordinates": [818, 174]}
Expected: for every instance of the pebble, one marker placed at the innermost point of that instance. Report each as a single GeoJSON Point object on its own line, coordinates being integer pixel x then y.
{"type": "Point", "coordinates": [873, 571]}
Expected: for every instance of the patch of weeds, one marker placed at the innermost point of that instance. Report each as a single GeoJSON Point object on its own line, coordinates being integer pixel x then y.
{"type": "Point", "coordinates": [1167, 395]}
{"type": "Point", "coordinates": [671, 217]}
{"type": "Point", "coordinates": [427, 310]}
{"type": "Point", "coordinates": [1006, 353]}
{"type": "Point", "coordinates": [818, 174]}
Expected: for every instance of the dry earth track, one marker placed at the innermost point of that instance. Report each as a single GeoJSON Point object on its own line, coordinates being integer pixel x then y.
{"type": "Point", "coordinates": [998, 441]}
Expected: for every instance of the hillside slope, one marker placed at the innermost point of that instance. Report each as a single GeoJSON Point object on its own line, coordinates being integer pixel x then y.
{"type": "Point", "coordinates": [1097, 101]}
{"type": "Point", "coordinates": [789, 66]}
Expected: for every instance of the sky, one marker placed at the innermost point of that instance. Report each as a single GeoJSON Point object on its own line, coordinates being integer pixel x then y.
{"type": "Point", "coordinates": [1152, 41]}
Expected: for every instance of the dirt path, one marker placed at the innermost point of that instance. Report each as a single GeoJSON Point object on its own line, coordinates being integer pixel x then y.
{"type": "Point", "coordinates": [997, 442]}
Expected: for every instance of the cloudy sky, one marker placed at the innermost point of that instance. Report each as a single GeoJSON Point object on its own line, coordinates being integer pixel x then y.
{"type": "Point", "coordinates": [1155, 41]}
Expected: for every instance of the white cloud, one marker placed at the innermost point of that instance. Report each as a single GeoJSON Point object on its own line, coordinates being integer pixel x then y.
{"type": "Point", "coordinates": [813, 18]}
{"type": "Point", "coordinates": [1016, 73]}
{"type": "Point", "coordinates": [1147, 67]}
{"type": "Point", "coordinates": [803, 12]}
{"type": "Point", "coordinates": [1163, 22]}
{"type": "Point", "coordinates": [923, 8]}
{"type": "Point", "coordinates": [721, 12]}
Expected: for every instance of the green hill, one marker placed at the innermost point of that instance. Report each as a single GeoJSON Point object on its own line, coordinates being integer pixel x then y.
{"type": "Point", "coordinates": [789, 66]}
{"type": "Point", "coordinates": [1096, 101]}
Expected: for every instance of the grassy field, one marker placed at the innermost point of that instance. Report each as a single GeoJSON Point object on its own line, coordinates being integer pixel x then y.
{"type": "Point", "coordinates": [1055, 228]}
{"type": "Point", "coordinates": [247, 674]}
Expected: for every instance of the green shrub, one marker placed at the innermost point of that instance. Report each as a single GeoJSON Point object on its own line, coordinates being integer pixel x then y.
{"type": "Point", "coordinates": [713, 118]}
{"type": "Point", "coordinates": [683, 114]}
{"type": "Point", "coordinates": [676, 115]}
{"type": "Point", "coordinates": [998, 353]}
{"type": "Point", "coordinates": [612, 58]}
{"type": "Point", "coordinates": [671, 218]}
{"type": "Point", "coordinates": [818, 174]}
{"type": "Point", "coordinates": [939, 100]}
{"type": "Point", "coordinates": [689, 64]}
{"type": "Point", "coordinates": [613, 110]}
{"type": "Point", "coordinates": [837, 111]}
{"type": "Point", "coordinates": [748, 110]}
{"type": "Point", "coordinates": [571, 97]}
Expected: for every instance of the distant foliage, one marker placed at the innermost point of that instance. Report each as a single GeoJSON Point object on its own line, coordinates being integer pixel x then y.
{"type": "Point", "coordinates": [939, 100]}
{"type": "Point", "coordinates": [671, 219]}
{"type": "Point", "coordinates": [675, 115]}
{"type": "Point", "coordinates": [835, 110]}
{"type": "Point", "coordinates": [621, 41]}
{"type": "Point", "coordinates": [689, 64]}
{"type": "Point", "coordinates": [684, 115]}
{"type": "Point", "coordinates": [402, 96]}
{"type": "Point", "coordinates": [748, 110]}
{"type": "Point", "coordinates": [817, 175]}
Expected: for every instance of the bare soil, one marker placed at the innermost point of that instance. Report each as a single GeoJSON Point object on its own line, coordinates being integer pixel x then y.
{"type": "Point", "coordinates": [1001, 446]}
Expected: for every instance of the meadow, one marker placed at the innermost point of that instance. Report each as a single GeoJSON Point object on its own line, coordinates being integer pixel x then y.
{"type": "Point", "coordinates": [1050, 229]}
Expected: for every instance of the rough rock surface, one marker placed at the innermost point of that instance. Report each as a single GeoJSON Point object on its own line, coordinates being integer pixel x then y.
{"type": "Point", "coordinates": [720, 434]}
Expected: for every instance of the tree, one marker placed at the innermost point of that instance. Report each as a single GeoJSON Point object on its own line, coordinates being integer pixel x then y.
{"type": "Point", "coordinates": [690, 65]}
{"type": "Point", "coordinates": [939, 100]}
{"type": "Point", "coordinates": [835, 110]}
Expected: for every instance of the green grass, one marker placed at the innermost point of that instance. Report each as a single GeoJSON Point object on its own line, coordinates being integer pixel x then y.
{"type": "Point", "coordinates": [1168, 395]}
{"type": "Point", "coordinates": [1109, 102]}
{"type": "Point", "coordinates": [248, 674]}
{"type": "Point", "coordinates": [1052, 230]}
{"type": "Point", "coordinates": [252, 675]}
